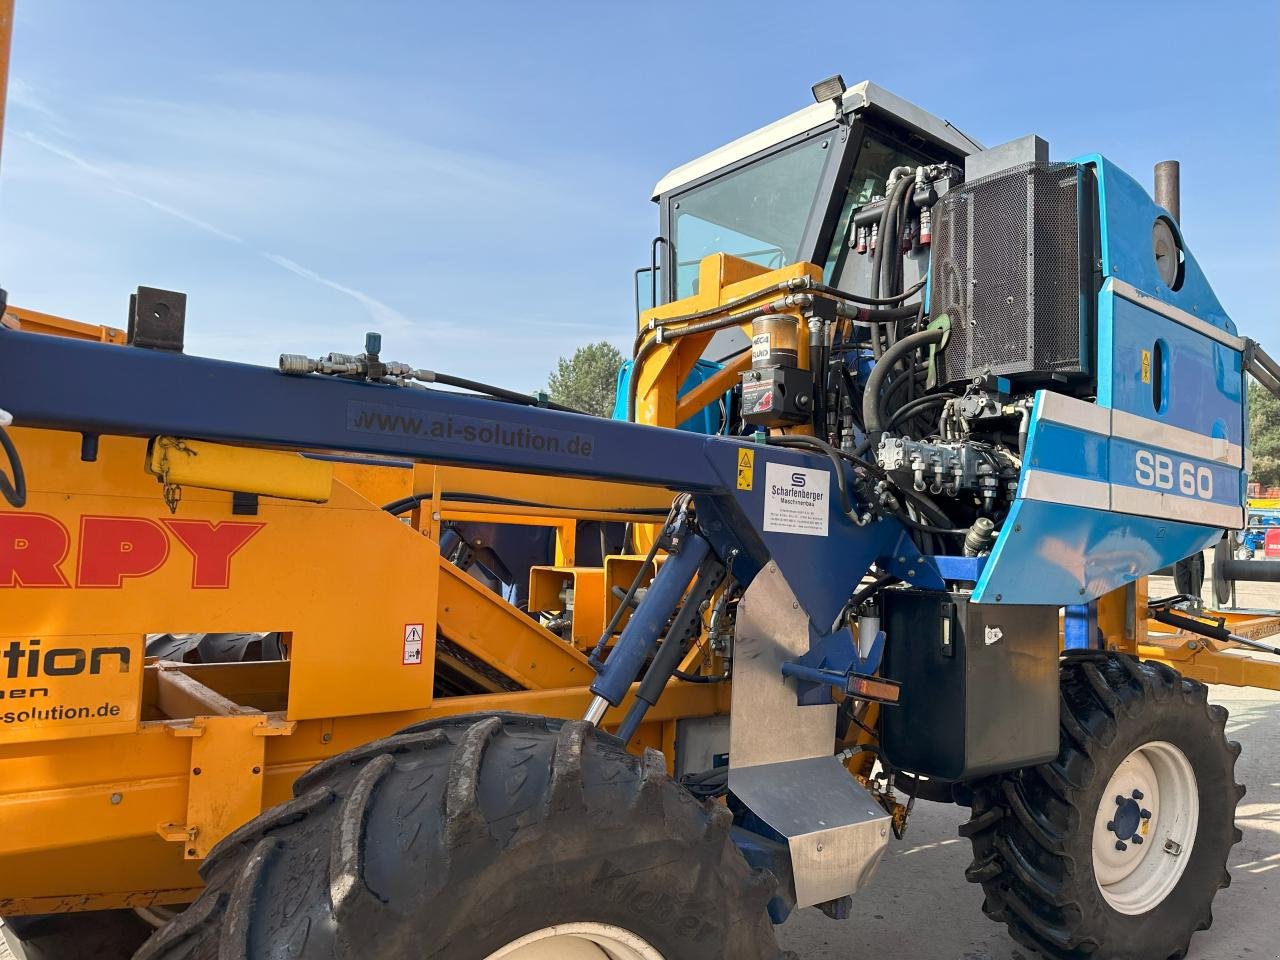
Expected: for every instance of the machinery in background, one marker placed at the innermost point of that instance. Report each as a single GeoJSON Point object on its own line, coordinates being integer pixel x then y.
{"type": "Point", "coordinates": [964, 401]}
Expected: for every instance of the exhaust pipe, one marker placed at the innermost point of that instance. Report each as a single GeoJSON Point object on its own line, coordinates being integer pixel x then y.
{"type": "Point", "coordinates": [1169, 187]}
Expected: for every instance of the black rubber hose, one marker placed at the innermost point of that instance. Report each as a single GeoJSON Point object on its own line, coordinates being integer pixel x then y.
{"type": "Point", "coordinates": [882, 233]}
{"type": "Point", "coordinates": [868, 301]}
{"type": "Point", "coordinates": [498, 393]}
{"type": "Point", "coordinates": [875, 380]}
{"type": "Point", "coordinates": [909, 410]}
{"type": "Point", "coordinates": [15, 493]}
{"type": "Point", "coordinates": [397, 507]}
{"type": "Point", "coordinates": [786, 286]}
{"type": "Point", "coordinates": [889, 401]}
{"type": "Point", "coordinates": [669, 335]}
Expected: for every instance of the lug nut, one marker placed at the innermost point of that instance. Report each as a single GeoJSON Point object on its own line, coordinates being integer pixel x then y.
{"type": "Point", "coordinates": [1145, 814]}
{"type": "Point", "coordinates": [1111, 824]}
{"type": "Point", "coordinates": [1121, 846]}
{"type": "Point", "coordinates": [1137, 794]}
{"type": "Point", "coordinates": [1119, 800]}
{"type": "Point", "coordinates": [1136, 838]}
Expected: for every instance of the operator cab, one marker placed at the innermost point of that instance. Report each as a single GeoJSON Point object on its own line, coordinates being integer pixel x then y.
{"type": "Point", "coordinates": [788, 192]}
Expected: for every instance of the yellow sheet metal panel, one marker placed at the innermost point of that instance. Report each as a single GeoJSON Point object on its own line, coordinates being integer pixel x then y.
{"type": "Point", "coordinates": [485, 625]}
{"type": "Point", "coordinates": [33, 321]}
{"type": "Point", "coordinates": [577, 592]}
{"type": "Point", "coordinates": [224, 789]}
{"type": "Point", "coordinates": [55, 687]}
{"type": "Point", "coordinates": [346, 581]}
{"type": "Point", "coordinates": [219, 466]}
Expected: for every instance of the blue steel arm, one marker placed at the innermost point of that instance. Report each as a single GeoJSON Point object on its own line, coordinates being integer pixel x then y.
{"type": "Point", "coordinates": [104, 389]}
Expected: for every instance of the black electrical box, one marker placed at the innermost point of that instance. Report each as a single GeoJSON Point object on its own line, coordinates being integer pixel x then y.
{"type": "Point", "coordinates": [979, 684]}
{"type": "Point", "coordinates": [777, 396]}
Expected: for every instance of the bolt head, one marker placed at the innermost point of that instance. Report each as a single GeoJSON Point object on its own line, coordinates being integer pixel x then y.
{"type": "Point", "coordinates": [1111, 824]}
{"type": "Point", "coordinates": [1136, 838]}
{"type": "Point", "coordinates": [116, 798]}
{"type": "Point", "coordinates": [1121, 846]}
{"type": "Point", "coordinates": [1137, 794]}
{"type": "Point", "coordinates": [1120, 800]}
{"type": "Point", "coordinates": [1145, 814]}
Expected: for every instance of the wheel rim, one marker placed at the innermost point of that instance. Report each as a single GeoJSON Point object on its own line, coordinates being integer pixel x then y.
{"type": "Point", "coordinates": [578, 941]}
{"type": "Point", "coordinates": [1145, 828]}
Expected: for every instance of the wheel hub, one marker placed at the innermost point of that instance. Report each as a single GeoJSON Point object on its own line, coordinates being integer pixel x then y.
{"type": "Point", "coordinates": [1145, 826]}
{"type": "Point", "coordinates": [578, 941]}
{"type": "Point", "coordinates": [1129, 818]}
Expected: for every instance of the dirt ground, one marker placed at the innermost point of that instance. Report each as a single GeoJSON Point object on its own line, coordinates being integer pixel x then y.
{"type": "Point", "coordinates": [920, 906]}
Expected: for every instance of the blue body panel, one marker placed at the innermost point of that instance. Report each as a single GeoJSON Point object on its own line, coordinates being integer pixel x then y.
{"type": "Point", "coordinates": [1058, 554]}
{"type": "Point", "coordinates": [706, 420]}
{"type": "Point", "coordinates": [1052, 550]}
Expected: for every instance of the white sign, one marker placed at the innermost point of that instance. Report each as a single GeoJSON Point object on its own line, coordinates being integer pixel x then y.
{"type": "Point", "coordinates": [795, 500]}
{"type": "Point", "coordinates": [992, 635]}
{"type": "Point", "coordinates": [412, 643]}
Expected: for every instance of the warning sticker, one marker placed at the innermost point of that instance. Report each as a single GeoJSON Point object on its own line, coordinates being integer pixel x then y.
{"type": "Point", "coordinates": [795, 500]}
{"type": "Point", "coordinates": [746, 469]}
{"type": "Point", "coordinates": [412, 643]}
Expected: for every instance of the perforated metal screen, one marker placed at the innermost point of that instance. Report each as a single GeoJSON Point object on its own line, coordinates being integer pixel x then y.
{"type": "Point", "coordinates": [1006, 270]}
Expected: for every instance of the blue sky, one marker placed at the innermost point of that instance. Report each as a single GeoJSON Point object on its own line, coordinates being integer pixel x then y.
{"type": "Point", "coordinates": [472, 179]}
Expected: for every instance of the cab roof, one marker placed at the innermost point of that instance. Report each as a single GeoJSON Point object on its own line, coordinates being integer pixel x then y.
{"type": "Point", "coordinates": [859, 97]}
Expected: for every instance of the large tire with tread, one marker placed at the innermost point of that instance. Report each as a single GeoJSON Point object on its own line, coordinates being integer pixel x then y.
{"type": "Point", "coordinates": [455, 838]}
{"type": "Point", "coordinates": [87, 935]}
{"type": "Point", "coordinates": [1033, 831]}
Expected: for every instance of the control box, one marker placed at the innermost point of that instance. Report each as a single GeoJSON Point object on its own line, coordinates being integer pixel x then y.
{"type": "Point", "coordinates": [979, 684]}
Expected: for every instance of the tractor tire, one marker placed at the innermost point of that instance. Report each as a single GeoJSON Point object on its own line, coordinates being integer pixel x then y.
{"type": "Point", "coordinates": [1117, 848]}
{"type": "Point", "coordinates": [90, 935]}
{"type": "Point", "coordinates": [476, 838]}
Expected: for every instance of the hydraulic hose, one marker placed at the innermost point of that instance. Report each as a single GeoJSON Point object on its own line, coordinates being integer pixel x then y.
{"type": "Point", "coordinates": [790, 301]}
{"type": "Point", "coordinates": [15, 493]}
{"type": "Point", "coordinates": [916, 406]}
{"type": "Point", "coordinates": [887, 216]}
{"type": "Point", "coordinates": [832, 292]}
{"type": "Point", "coordinates": [786, 286]}
{"type": "Point", "coordinates": [498, 393]}
{"type": "Point", "coordinates": [880, 372]}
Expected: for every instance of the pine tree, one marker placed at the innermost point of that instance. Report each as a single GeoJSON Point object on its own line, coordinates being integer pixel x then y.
{"type": "Point", "coordinates": [1264, 436]}
{"type": "Point", "coordinates": [587, 381]}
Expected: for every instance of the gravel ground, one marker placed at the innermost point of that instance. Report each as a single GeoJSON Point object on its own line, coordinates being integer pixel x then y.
{"type": "Point", "coordinates": [920, 906]}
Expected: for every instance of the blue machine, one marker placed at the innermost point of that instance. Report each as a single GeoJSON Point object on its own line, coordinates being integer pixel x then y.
{"type": "Point", "coordinates": [1089, 429]}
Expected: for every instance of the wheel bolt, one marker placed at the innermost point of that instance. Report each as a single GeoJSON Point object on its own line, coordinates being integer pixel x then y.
{"type": "Point", "coordinates": [1111, 824]}
{"type": "Point", "coordinates": [1145, 814]}
{"type": "Point", "coordinates": [1119, 800]}
{"type": "Point", "coordinates": [1121, 846]}
{"type": "Point", "coordinates": [1137, 794]}
{"type": "Point", "coordinates": [1136, 838]}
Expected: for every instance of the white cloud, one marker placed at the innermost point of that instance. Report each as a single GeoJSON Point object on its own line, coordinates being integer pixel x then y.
{"type": "Point", "coordinates": [379, 311]}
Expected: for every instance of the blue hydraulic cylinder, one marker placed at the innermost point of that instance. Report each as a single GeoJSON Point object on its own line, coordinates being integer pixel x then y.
{"type": "Point", "coordinates": [649, 619]}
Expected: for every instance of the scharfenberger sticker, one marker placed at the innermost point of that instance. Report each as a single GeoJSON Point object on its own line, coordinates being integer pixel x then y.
{"type": "Point", "coordinates": [795, 500]}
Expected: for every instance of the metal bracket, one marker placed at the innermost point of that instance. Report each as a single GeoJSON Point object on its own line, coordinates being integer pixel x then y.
{"type": "Point", "coordinates": [781, 755]}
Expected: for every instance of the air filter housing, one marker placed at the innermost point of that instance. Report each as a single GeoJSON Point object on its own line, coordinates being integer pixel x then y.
{"type": "Point", "coordinates": [1011, 268]}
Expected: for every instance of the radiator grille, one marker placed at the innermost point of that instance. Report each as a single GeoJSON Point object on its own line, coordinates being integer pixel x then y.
{"type": "Point", "coordinates": [1006, 270]}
